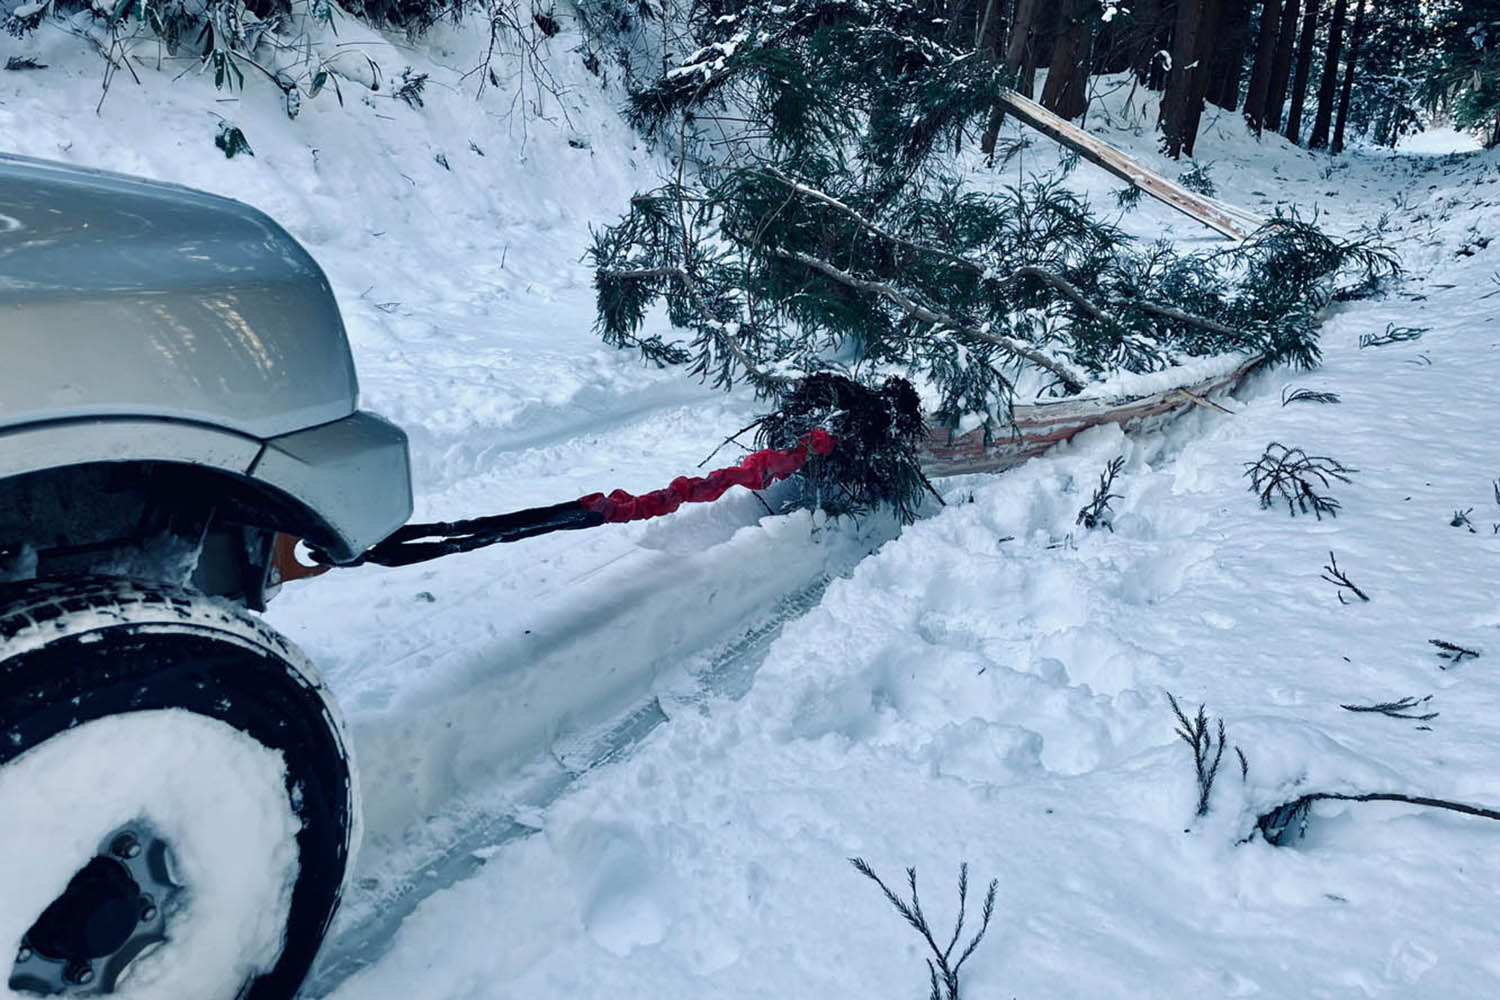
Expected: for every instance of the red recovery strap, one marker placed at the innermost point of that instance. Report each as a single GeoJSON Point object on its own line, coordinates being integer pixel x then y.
{"type": "Point", "coordinates": [416, 543]}
{"type": "Point", "coordinates": [757, 471]}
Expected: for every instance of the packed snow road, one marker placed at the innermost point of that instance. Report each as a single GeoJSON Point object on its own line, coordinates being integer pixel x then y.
{"type": "Point", "coordinates": [990, 687]}
{"type": "Point", "coordinates": [633, 760]}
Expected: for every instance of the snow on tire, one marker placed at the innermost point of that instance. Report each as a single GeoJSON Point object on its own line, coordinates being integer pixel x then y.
{"type": "Point", "coordinates": [180, 807]}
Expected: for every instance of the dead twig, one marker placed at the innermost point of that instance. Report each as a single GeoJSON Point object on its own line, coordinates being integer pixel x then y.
{"type": "Point", "coordinates": [1195, 733]}
{"type": "Point", "coordinates": [1400, 709]}
{"type": "Point", "coordinates": [1292, 475]}
{"type": "Point", "coordinates": [1308, 396]}
{"type": "Point", "coordinates": [1336, 576]}
{"type": "Point", "coordinates": [942, 968]}
{"type": "Point", "coordinates": [1452, 652]}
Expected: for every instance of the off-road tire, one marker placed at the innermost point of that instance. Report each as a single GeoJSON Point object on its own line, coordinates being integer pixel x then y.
{"type": "Point", "coordinates": [74, 651]}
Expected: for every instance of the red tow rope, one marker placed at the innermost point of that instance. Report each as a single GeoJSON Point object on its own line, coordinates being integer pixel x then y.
{"type": "Point", "coordinates": [757, 471]}
{"type": "Point", "coordinates": [416, 543]}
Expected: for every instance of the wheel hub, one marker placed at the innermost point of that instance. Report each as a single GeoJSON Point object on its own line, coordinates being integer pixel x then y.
{"type": "Point", "coordinates": [112, 911]}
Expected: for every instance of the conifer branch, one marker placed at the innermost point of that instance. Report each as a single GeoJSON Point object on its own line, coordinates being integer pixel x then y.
{"type": "Point", "coordinates": [722, 332]}
{"type": "Point", "coordinates": [1054, 280]}
{"type": "Point", "coordinates": [1072, 378]}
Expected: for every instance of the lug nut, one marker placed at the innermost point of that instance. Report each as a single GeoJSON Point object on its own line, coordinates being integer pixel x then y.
{"type": "Point", "coordinates": [24, 955]}
{"type": "Point", "coordinates": [79, 973]}
{"type": "Point", "coordinates": [125, 846]}
{"type": "Point", "coordinates": [148, 909]}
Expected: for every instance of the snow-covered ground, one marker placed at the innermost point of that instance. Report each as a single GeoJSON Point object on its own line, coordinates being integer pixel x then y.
{"type": "Point", "coordinates": [634, 761]}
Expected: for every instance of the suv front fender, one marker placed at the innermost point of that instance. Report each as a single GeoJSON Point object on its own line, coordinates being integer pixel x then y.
{"type": "Point", "coordinates": [348, 480]}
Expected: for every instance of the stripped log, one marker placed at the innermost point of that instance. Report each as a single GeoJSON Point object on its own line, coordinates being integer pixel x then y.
{"type": "Point", "coordinates": [1037, 427]}
{"type": "Point", "coordinates": [1235, 223]}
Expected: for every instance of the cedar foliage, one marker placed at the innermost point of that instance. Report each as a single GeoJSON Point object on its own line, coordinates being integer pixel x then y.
{"type": "Point", "coordinates": [826, 229]}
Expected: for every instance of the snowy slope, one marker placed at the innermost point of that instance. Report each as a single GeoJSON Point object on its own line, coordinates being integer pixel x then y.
{"type": "Point", "coordinates": [990, 687]}
{"type": "Point", "coordinates": [983, 687]}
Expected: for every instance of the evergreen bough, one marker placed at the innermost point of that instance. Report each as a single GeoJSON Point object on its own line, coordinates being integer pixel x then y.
{"type": "Point", "coordinates": [818, 222]}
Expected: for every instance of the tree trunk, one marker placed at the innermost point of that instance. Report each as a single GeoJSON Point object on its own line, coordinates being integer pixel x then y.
{"type": "Point", "coordinates": [1156, 76]}
{"type": "Point", "coordinates": [1281, 64]}
{"type": "Point", "coordinates": [1066, 92]}
{"type": "Point", "coordinates": [989, 29]}
{"type": "Point", "coordinates": [1355, 40]}
{"type": "Point", "coordinates": [1260, 71]}
{"type": "Point", "coordinates": [1182, 104]}
{"type": "Point", "coordinates": [1142, 43]}
{"type": "Point", "coordinates": [1023, 51]}
{"type": "Point", "coordinates": [1020, 59]}
{"type": "Point", "coordinates": [1304, 68]}
{"type": "Point", "coordinates": [1227, 60]}
{"type": "Point", "coordinates": [1328, 84]}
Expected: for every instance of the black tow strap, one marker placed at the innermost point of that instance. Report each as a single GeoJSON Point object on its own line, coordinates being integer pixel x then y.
{"type": "Point", "coordinates": [419, 542]}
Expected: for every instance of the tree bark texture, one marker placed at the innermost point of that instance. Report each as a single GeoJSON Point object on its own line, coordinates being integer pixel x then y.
{"type": "Point", "coordinates": [1328, 84]}
{"type": "Point", "coordinates": [1304, 69]}
{"type": "Point", "coordinates": [1357, 38]}
{"type": "Point", "coordinates": [1182, 104]}
{"type": "Point", "coordinates": [1227, 54]}
{"type": "Point", "coordinates": [1281, 64]}
{"type": "Point", "coordinates": [1066, 91]}
{"type": "Point", "coordinates": [1022, 53]}
{"type": "Point", "coordinates": [1260, 71]}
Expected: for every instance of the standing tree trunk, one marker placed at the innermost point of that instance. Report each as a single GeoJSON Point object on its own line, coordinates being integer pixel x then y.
{"type": "Point", "coordinates": [989, 30]}
{"type": "Point", "coordinates": [1328, 84]}
{"type": "Point", "coordinates": [1281, 64]}
{"type": "Point", "coordinates": [1166, 26]}
{"type": "Point", "coordinates": [1260, 70]}
{"type": "Point", "coordinates": [1304, 68]}
{"type": "Point", "coordinates": [1182, 104]}
{"type": "Point", "coordinates": [1357, 37]}
{"type": "Point", "coordinates": [1020, 58]}
{"type": "Point", "coordinates": [1227, 63]}
{"type": "Point", "coordinates": [1023, 51]}
{"type": "Point", "coordinates": [1065, 93]}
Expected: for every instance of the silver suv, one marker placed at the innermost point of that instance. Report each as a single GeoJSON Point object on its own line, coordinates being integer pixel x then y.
{"type": "Point", "coordinates": [177, 405]}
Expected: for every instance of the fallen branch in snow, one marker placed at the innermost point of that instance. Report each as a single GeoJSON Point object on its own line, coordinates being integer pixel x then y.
{"type": "Point", "coordinates": [1195, 733]}
{"type": "Point", "coordinates": [1452, 652]}
{"type": "Point", "coordinates": [1393, 335]}
{"type": "Point", "coordinates": [690, 288]}
{"type": "Point", "coordinates": [1279, 823]}
{"type": "Point", "coordinates": [1289, 474]}
{"type": "Point", "coordinates": [1336, 576]}
{"type": "Point", "coordinates": [1396, 709]}
{"type": "Point", "coordinates": [1096, 513]}
{"type": "Point", "coordinates": [942, 970]}
{"type": "Point", "coordinates": [1308, 396]}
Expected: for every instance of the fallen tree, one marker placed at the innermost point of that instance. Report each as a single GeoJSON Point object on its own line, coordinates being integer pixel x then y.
{"type": "Point", "coordinates": [827, 228]}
